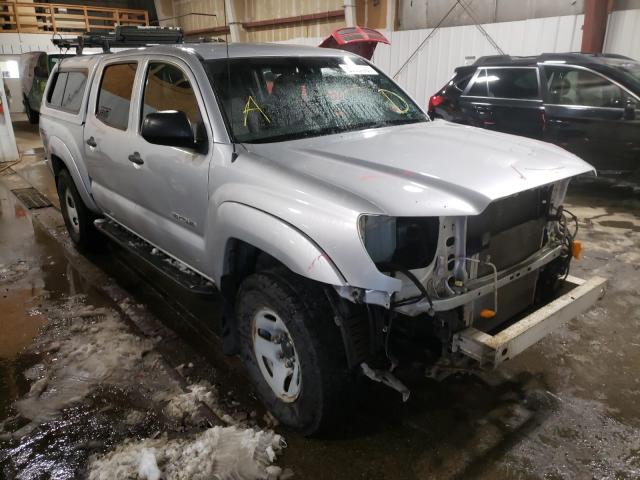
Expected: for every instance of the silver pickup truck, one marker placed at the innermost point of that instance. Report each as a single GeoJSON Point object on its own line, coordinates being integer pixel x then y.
{"type": "Point", "coordinates": [345, 231]}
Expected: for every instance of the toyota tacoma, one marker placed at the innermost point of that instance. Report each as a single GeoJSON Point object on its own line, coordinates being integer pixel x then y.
{"type": "Point", "coordinates": [346, 232]}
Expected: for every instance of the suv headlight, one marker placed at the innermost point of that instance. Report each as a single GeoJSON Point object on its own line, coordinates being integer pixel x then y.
{"type": "Point", "coordinates": [408, 241]}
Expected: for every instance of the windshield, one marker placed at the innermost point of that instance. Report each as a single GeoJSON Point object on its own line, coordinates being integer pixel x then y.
{"type": "Point", "coordinates": [272, 99]}
{"type": "Point", "coordinates": [628, 66]}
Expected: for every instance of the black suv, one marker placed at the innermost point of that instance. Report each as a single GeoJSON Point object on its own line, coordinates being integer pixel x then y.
{"type": "Point", "coordinates": [588, 104]}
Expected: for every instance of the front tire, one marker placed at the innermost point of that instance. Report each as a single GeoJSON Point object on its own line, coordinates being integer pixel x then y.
{"type": "Point", "coordinates": [77, 217]}
{"type": "Point", "coordinates": [292, 349]}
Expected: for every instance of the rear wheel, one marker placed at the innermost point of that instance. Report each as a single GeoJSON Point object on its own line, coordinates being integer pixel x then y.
{"type": "Point", "coordinates": [77, 217]}
{"type": "Point", "coordinates": [32, 115]}
{"type": "Point", "coordinates": [292, 349]}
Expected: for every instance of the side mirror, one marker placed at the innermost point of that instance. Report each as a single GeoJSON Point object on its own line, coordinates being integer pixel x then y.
{"type": "Point", "coordinates": [630, 110]}
{"type": "Point", "coordinates": [168, 127]}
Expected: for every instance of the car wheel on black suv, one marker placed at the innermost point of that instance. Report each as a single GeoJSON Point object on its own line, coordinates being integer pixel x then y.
{"type": "Point", "coordinates": [292, 349]}
{"type": "Point", "coordinates": [77, 217]}
{"type": "Point", "coordinates": [32, 115]}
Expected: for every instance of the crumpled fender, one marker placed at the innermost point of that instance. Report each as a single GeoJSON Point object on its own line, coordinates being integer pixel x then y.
{"type": "Point", "coordinates": [78, 171]}
{"type": "Point", "coordinates": [273, 236]}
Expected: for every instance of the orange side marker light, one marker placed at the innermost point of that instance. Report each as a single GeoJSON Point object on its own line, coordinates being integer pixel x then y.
{"type": "Point", "coordinates": [576, 249]}
{"type": "Point", "coordinates": [487, 313]}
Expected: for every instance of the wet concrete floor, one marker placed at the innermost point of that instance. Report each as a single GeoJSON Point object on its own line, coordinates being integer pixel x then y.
{"type": "Point", "coordinates": [567, 408]}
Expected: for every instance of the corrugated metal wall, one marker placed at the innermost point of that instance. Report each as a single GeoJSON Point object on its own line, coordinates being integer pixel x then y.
{"type": "Point", "coordinates": [623, 33]}
{"type": "Point", "coordinates": [450, 47]}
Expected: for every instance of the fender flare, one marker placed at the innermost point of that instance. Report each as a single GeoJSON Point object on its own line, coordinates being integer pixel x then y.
{"type": "Point", "coordinates": [272, 235]}
{"type": "Point", "coordinates": [58, 148]}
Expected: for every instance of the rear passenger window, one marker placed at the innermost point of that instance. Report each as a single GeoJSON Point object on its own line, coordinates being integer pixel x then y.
{"type": "Point", "coordinates": [56, 92]}
{"type": "Point", "coordinates": [167, 87]}
{"type": "Point", "coordinates": [114, 97]}
{"type": "Point", "coordinates": [516, 83]}
{"type": "Point", "coordinates": [519, 83]}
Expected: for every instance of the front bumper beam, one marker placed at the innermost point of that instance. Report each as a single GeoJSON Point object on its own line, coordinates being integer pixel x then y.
{"type": "Point", "coordinates": [495, 349]}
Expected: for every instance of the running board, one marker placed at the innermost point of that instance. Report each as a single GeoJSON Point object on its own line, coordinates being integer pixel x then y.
{"type": "Point", "coordinates": [173, 269]}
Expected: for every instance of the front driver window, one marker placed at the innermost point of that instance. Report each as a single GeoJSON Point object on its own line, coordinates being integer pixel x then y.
{"type": "Point", "coordinates": [167, 87]}
{"type": "Point", "coordinates": [571, 86]}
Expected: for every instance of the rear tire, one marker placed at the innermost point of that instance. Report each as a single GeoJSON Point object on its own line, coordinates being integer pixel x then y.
{"type": "Point", "coordinates": [32, 115]}
{"type": "Point", "coordinates": [77, 217]}
{"type": "Point", "coordinates": [293, 350]}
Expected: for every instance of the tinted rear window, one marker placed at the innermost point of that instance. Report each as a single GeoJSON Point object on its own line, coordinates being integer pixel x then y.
{"type": "Point", "coordinates": [67, 90]}
{"type": "Point", "coordinates": [56, 92]}
{"type": "Point", "coordinates": [479, 87]}
{"type": "Point", "coordinates": [114, 97]}
{"type": "Point", "coordinates": [462, 82]}
{"type": "Point", "coordinates": [74, 91]}
{"type": "Point", "coordinates": [517, 83]}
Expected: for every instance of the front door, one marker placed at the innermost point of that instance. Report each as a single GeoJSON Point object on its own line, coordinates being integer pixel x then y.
{"type": "Point", "coordinates": [172, 182]}
{"type": "Point", "coordinates": [593, 117]}
{"type": "Point", "coordinates": [505, 99]}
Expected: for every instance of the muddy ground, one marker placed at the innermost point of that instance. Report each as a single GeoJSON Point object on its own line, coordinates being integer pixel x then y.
{"type": "Point", "coordinates": [104, 365]}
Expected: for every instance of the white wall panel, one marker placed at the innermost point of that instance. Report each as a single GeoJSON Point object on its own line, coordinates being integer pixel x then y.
{"type": "Point", "coordinates": [16, 43]}
{"type": "Point", "coordinates": [450, 47]}
{"type": "Point", "coordinates": [623, 33]}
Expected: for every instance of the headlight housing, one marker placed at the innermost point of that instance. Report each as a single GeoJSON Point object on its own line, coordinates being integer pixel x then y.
{"type": "Point", "coordinates": [407, 241]}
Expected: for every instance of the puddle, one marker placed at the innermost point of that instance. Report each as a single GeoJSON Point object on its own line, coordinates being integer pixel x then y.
{"type": "Point", "coordinates": [621, 224]}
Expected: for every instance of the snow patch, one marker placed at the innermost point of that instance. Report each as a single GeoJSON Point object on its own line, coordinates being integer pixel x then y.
{"type": "Point", "coordinates": [219, 452]}
{"type": "Point", "coordinates": [91, 347]}
{"type": "Point", "coordinates": [148, 467]}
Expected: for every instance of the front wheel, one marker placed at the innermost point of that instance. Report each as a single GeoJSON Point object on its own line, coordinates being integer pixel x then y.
{"type": "Point", "coordinates": [292, 349]}
{"type": "Point", "coordinates": [77, 217]}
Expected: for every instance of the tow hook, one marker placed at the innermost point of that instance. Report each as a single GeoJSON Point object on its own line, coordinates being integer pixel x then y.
{"type": "Point", "coordinates": [387, 378]}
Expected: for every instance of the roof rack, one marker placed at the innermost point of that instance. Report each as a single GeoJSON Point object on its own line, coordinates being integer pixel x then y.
{"type": "Point", "coordinates": [124, 36]}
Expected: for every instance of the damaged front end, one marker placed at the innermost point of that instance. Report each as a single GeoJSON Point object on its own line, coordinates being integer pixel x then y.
{"type": "Point", "coordinates": [466, 280]}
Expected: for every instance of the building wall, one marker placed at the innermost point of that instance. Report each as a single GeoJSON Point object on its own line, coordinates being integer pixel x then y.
{"type": "Point", "coordinates": [413, 14]}
{"type": "Point", "coordinates": [252, 11]}
{"type": "Point", "coordinates": [623, 33]}
{"type": "Point", "coordinates": [198, 22]}
{"type": "Point", "coordinates": [372, 13]}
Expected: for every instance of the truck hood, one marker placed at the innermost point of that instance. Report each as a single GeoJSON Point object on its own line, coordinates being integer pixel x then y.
{"type": "Point", "coordinates": [425, 169]}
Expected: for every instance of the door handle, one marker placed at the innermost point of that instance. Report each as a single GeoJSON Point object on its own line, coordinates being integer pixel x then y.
{"type": "Point", "coordinates": [92, 142]}
{"type": "Point", "coordinates": [136, 158]}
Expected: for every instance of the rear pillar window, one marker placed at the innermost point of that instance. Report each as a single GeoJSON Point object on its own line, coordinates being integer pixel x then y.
{"type": "Point", "coordinates": [56, 92]}
{"type": "Point", "coordinates": [479, 87]}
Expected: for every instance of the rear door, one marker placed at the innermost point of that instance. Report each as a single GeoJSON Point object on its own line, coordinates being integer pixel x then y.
{"type": "Point", "coordinates": [108, 137]}
{"type": "Point", "coordinates": [505, 99]}
{"type": "Point", "coordinates": [585, 113]}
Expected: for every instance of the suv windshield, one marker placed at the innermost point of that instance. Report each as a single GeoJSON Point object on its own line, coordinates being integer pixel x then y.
{"type": "Point", "coordinates": [272, 99]}
{"type": "Point", "coordinates": [630, 67]}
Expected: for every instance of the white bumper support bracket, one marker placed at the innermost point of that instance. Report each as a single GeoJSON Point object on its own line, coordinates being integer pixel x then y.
{"type": "Point", "coordinates": [506, 344]}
